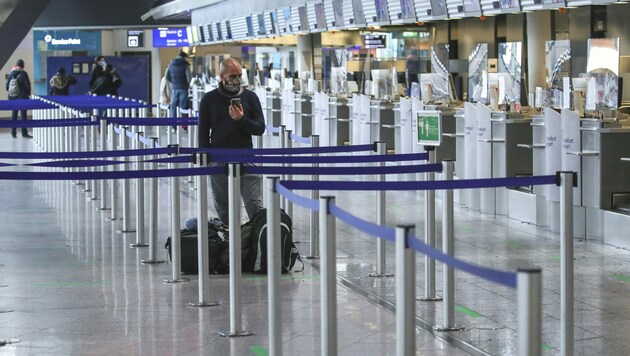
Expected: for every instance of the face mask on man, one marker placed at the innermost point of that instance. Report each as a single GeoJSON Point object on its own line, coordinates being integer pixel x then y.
{"type": "Point", "coordinates": [103, 64]}
{"type": "Point", "coordinates": [233, 84]}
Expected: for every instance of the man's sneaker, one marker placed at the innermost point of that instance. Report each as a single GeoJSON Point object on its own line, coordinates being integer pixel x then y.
{"type": "Point", "coordinates": [27, 136]}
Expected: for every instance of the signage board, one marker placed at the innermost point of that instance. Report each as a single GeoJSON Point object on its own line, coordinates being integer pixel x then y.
{"type": "Point", "coordinates": [374, 41]}
{"type": "Point", "coordinates": [429, 127]}
{"type": "Point", "coordinates": [170, 37]}
{"type": "Point", "coordinates": [135, 38]}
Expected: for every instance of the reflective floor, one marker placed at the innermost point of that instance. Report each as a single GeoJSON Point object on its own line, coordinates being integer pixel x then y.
{"type": "Point", "coordinates": [71, 285]}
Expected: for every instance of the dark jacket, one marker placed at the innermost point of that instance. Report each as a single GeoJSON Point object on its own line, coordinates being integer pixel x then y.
{"type": "Point", "coordinates": [108, 83]}
{"type": "Point", "coordinates": [23, 81]}
{"type": "Point", "coordinates": [227, 133]}
{"type": "Point", "coordinates": [60, 84]}
{"type": "Point", "coordinates": [97, 72]}
{"type": "Point", "coordinates": [178, 73]}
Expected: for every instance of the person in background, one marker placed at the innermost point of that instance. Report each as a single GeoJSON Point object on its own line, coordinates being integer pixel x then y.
{"type": "Point", "coordinates": [18, 87]}
{"type": "Point", "coordinates": [60, 83]}
{"type": "Point", "coordinates": [178, 73]}
{"type": "Point", "coordinates": [98, 70]}
{"type": "Point", "coordinates": [108, 82]}
{"type": "Point", "coordinates": [228, 117]}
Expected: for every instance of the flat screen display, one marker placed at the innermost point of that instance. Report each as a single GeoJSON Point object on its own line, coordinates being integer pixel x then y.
{"type": "Point", "coordinates": [288, 20]}
{"type": "Point", "coordinates": [303, 18]}
{"type": "Point", "coordinates": [170, 37]}
{"type": "Point", "coordinates": [274, 22]}
{"type": "Point", "coordinates": [472, 7]}
{"type": "Point", "coordinates": [382, 13]}
{"type": "Point", "coordinates": [228, 30]}
{"type": "Point", "coordinates": [250, 26]}
{"type": "Point", "coordinates": [320, 16]}
{"type": "Point", "coordinates": [202, 35]}
{"type": "Point", "coordinates": [194, 30]}
{"type": "Point", "coordinates": [357, 12]}
{"type": "Point", "coordinates": [219, 32]}
{"type": "Point", "coordinates": [438, 7]}
{"type": "Point", "coordinates": [407, 9]}
{"type": "Point", "coordinates": [261, 25]}
{"type": "Point", "coordinates": [338, 11]}
{"type": "Point", "coordinates": [210, 33]}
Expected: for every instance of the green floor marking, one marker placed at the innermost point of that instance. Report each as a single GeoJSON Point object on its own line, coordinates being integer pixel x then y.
{"type": "Point", "coordinates": [264, 278]}
{"type": "Point", "coordinates": [74, 284]}
{"type": "Point", "coordinates": [467, 311]}
{"type": "Point", "coordinates": [557, 258]}
{"type": "Point", "coordinates": [515, 244]}
{"type": "Point", "coordinates": [621, 277]}
{"type": "Point", "coordinates": [546, 347]}
{"type": "Point", "coordinates": [259, 351]}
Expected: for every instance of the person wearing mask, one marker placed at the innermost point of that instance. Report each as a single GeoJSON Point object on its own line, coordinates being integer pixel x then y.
{"type": "Point", "coordinates": [18, 87]}
{"type": "Point", "coordinates": [228, 117]}
{"type": "Point", "coordinates": [98, 70]}
{"type": "Point", "coordinates": [60, 83]}
{"type": "Point", "coordinates": [108, 83]}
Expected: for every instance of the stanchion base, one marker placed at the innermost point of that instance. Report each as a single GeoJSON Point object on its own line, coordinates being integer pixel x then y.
{"type": "Point", "coordinates": [125, 231]}
{"type": "Point", "coordinates": [386, 275]}
{"type": "Point", "coordinates": [113, 219]}
{"type": "Point", "coordinates": [77, 183]}
{"type": "Point", "coordinates": [169, 281]}
{"type": "Point", "coordinates": [203, 304]}
{"type": "Point", "coordinates": [193, 188]}
{"type": "Point", "coordinates": [235, 334]}
{"type": "Point", "coordinates": [429, 299]}
{"type": "Point", "coordinates": [3, 285]}
{"type": "Point", "coordinates": [448, 328]}
{"type": "Point", "coordinates": [92, 199]}
{"type": "Point", "coordinates": [6, 311]}
{"type": "Point", "coordinates": [102, 209]}
{"type": "Point", "coordinates": [4, 342]}
{"type": "Point", "coordinates": [312, 257]}
{"type": "Point", "coordinates": [87, 191]}
{"type": "Point", "coordinates": [148, 262]}
{"type": "Point", "coordinates": [138, 245]}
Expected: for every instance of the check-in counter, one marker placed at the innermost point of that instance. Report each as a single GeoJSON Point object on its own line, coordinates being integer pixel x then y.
{"type": "Point", "coordinates": [605, 177]}
{"type": "Point", "coordinates": [447, 150]}
{"type": "Point", "coordinates": [380, 123]}
{"type": "Point", "coordinates": [303, 115]}
{"type": "Point", "coordinates": [338, 121]}
{"type": "Point", "coordinates": [274, 109]}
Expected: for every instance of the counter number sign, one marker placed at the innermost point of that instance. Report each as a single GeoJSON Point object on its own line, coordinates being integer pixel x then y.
{"type": "Point", "coordinates": [429, 128]}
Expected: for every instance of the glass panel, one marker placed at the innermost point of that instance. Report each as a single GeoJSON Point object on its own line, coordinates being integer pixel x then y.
{"type": "Point", "coordinates": [510, 68]}
{"type": "Point", "coordinates": [603, 71]}
{"type": "Point", "coordinates": [477, 70]}
{"type": "Point", "coordinates": [558, 64]}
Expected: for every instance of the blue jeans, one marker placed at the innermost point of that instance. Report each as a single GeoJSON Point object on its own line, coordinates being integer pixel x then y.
{"type": "Point", "coordinates": [180, 99]}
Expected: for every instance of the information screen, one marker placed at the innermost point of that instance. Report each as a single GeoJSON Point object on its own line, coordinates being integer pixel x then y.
{"type": "Point", "coordinates": [374, 41]}
{"type": "Point", "coordinates": [429, 128]}
{"type": "Point", "coordinates": [135, 38]}
{"type": "Point", "coordinates": [170, 37]}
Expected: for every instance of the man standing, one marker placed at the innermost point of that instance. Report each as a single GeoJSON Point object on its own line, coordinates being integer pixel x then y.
{"type": "Point", "coordinates": [19, 87]}
{"type": "Point", "coordinates": [178, 73]}
{"type": "Point", "coordinates": [233, 114]}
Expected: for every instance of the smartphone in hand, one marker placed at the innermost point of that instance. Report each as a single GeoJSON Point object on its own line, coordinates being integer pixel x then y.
{"type": "Point", "coordinates": [235, 101]}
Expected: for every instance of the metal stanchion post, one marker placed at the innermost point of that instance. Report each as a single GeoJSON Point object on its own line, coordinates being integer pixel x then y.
{"type": "Point", "coordinates": [448, 247]}
{"type": "Point", "coordinates": [113, 141]}
{"type": "Point", "coordinates": [153, 208]}
{"type": "Point", "coordinates": [274, 260]}
{"type": "Point", "coordinates": [328, 277]}
{"type": "Point", "coordinates": [85, 148]}
{"type": "Point", "coordinates": [381, 247]}
{"type": "Point", "coordinates": [288, 206]}
{"type": "Point", "coordinates": [405, 292]}
{"type": "Point", "coordinates": [429, 233]}
{"type": "Point", "coordinates": [176, 241]}
{"type": "Point", "coordinates": [236, 309]}
{"type": "Point", "coordinates": [126, 187]}
{"type": "Point", "coordinates": [103, 182]}
{"type": "Point", "coordinates": [283, 144]}
{"type": "Point", "coordinates": [76, 147]}
{"type": "Point", "coordinates": [566, 181]}
{"type": "Point", "coordinates": [202, 233]}
{"type": "Point", "coordinates": [140, 240]}
{"type": "Point", "coordinates": [314, 215]}
{"type": "Point", "coordinates": [93, 148]}
{"type": "Point", "coordinates": [529, 299]}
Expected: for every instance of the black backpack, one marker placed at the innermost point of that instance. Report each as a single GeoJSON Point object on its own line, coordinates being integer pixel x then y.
{"type": "Point", "coordinates": [255, 254]}
{"type": "Point", "coordinates": [218, 250]}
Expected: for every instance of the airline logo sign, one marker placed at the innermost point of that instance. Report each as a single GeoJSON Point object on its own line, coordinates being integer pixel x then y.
{"type": "Point", "coordinates": [63, 41]}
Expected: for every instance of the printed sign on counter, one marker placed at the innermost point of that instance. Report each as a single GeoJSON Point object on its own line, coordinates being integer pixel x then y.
{"type": "Point", "coordinates": [429, 125]}
{"type": "Point", "coordinates": [571, 144]}
{"type": "Point", "coordinates": [553, 149]}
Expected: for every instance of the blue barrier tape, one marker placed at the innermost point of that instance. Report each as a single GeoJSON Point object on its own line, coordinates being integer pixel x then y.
{"type": "Point", "coordinates": [154, 121]}
{"type": "Point", "coordinates": [383, 232]}
{"type": "Point", "coordinates": [46, 123]}
{"type": "Point", "coordinates": [304, 202]}
{"type": "Point", "coordinates": [343, 170]}
{"type": "Point", "coordinates": [272, 129]}
{"type": "Point", "coordinates": [24, 104]}
{"type": "Point", "coordinates": [505, 278]}
{"type": "Point", "coordinates": [300, 139]}
{"type": "Point", "coordinates": [434, 185]}
{"type": "Point", "coordinates": [161, 173]}
{"type": "Point", "coordinates": [312, 159]}
{"type": "Point", "coordinates": [77, 163]}
{"type": "Point", "coordinates": [173, 159]}
{"type": "Point", "coordinates": [91, 154]}
{"type": "Point", "coordinates": [279, 151]}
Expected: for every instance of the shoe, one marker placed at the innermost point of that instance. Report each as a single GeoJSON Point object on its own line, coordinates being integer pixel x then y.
{"type": "Point", "coordinates": [14, 134]}
{"type": "Point", "coordinates": [26, 136]}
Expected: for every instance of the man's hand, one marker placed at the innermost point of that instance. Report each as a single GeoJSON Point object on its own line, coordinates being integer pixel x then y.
{"type": "Point", "coordinates": [236, 112]}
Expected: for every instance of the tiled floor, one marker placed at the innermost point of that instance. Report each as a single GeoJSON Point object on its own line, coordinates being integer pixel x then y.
{"type": "Point", "coordinates": [75, 287]}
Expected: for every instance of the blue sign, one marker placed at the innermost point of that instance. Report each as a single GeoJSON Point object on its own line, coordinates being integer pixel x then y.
{"type": "Point", "coordinates": [170, 37]}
